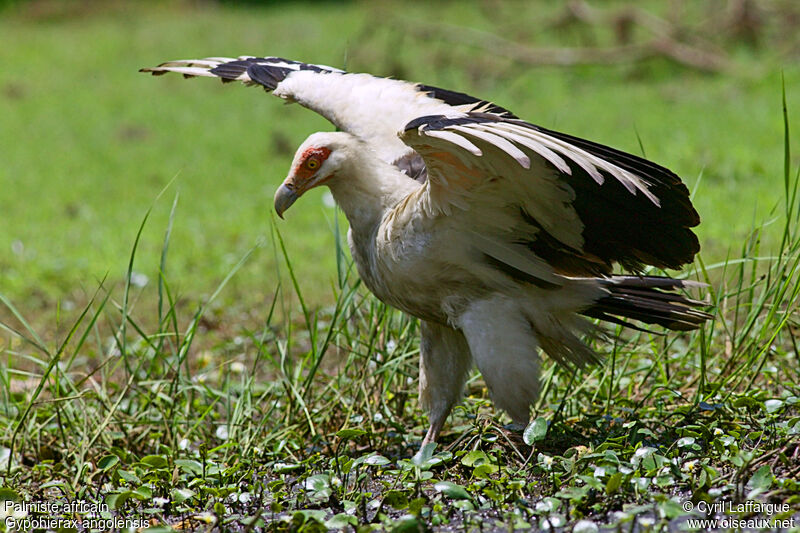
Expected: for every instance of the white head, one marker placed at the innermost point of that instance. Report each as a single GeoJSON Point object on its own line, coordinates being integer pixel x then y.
{"type": "Point", "coordinates": [317, 161]}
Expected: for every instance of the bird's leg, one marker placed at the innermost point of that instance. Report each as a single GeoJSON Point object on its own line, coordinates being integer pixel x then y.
{"type": "Point", "coordinates": [443, 366]}
{"type": "Point", "coordinates": [504, 348]}
{"type": "Point", "coordinates": [433, 431]}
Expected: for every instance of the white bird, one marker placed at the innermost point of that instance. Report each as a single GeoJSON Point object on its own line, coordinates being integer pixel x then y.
{"type": "Point", "coordinates": [372, 108]}
{"type": "Point", "coordinates": [510, 239]}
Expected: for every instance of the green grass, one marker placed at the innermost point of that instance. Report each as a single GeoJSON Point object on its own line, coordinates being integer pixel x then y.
{"type": "Point", "coordinates": [88, 142]}
{"type": "Point", "coordinates": [309, 423]}
{"type": "Point", "coordinates": [252, 384]}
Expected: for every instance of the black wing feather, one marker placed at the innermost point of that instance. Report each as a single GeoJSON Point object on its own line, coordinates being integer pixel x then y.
{"type": "Point", "coordinates": [668, 187]}
{"type": "Point", "coordinates": [266, 71]}
{"type": "Point", "coordinates": [619, 227]}
{"type": "Point", "coordinates": [456, 99]}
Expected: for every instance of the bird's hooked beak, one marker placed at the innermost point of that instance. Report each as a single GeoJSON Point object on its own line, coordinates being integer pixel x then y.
{"type": "Point", "coordinates": [285, 196]}
{"type": "Point", "coordinates": [305, 175]}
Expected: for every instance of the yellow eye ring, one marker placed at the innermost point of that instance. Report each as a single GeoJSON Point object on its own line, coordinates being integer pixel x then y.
{"type": "Point", "coordinates": [312, 164]}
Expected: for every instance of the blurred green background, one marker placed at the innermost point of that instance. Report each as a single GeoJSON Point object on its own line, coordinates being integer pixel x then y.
{"type": "Point", "coordinates": [87, 142]}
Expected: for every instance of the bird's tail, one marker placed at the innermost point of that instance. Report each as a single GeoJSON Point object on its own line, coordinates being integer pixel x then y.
{"type": "Point", "coordinates": [648, 299]}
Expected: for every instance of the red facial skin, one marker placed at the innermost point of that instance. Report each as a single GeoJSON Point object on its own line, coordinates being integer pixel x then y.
{"type": "Point", "coordinates": [310, 162]}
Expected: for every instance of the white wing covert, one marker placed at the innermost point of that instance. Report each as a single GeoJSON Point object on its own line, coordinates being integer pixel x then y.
{"type": "Point", "coordinates": [576, 205]}
{"type": "Point", "coordinates": [370, 107]}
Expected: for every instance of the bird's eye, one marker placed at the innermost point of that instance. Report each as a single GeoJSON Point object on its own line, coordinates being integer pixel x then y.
{"type": "Point", "coordinates": [312, 163]}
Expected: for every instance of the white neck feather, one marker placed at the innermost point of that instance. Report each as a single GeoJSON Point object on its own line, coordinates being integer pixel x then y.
{"type": "Point", "coordinates": [366, 188]}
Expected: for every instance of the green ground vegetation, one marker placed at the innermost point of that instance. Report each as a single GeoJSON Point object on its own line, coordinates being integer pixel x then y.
{"type": "Point", "coordinates": [171, 351]}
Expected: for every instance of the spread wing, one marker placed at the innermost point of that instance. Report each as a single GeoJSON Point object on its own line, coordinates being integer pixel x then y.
{"type": "Point", "coordinates": [537, 201]}
{"type": "Point", "coordinates": [370, 107]}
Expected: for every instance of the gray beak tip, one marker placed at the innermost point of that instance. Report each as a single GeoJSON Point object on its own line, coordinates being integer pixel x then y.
{"type": "Point", "coordinates": [284, 198]}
